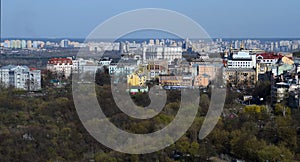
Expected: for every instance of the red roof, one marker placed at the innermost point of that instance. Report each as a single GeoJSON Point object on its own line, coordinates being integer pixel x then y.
{"type": "Point", "coordinates": [60, 61]}
{"type": "Point", "coordinates": [270, 55]}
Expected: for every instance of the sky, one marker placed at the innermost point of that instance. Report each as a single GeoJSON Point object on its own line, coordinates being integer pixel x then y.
{"type": "Point", "coordinates": [220, 18]}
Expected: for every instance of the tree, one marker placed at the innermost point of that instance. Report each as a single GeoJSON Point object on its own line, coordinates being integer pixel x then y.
{"type": "Point", "coordinates": [220, 139]}
{"type": "Point", "coordinates": [101, 156]}
{"type": "Point", "coordinates": [194, 148]}
{"type": "Point", "coordinates": [274, 153]}
{"type": "Point", "coordinates": [286, 132]}
{"type": "Point", "coordinates": [102, 76]}
{"type": "Point", "coordinates": [256, 112]}
{"type": "Point", "coordinates": [262, 89]}
{"type": "Point", "coordinates": [281, 109]}
{"type": "Point", "coordinates": [204, 103]}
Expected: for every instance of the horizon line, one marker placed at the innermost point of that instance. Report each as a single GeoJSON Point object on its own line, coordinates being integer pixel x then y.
{"type": "Point", "coordinates": [3, 38]}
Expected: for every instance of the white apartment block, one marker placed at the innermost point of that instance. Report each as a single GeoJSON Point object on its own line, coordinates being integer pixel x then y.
{"type": "Point", "coordinates": [162, 52]}
{"type": "Point", "coordinates": [20, 77]}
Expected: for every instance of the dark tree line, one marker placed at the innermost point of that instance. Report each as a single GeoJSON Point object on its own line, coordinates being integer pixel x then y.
{"type": "Point", "coordinates": [47, 128]}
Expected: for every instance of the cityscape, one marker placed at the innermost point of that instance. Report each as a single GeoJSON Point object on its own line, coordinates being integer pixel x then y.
{"type": "Point", "coordinates": [218, 44]}
{"type": "Point", "coordinates": [46, 83]}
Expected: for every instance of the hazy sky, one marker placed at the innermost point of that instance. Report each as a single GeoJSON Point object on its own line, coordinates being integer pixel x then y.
{"type": "Point", "coordinates": [220, 18]}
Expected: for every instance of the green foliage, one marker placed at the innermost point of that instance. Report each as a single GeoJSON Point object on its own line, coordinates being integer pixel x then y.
{"type": "Point", "coordinates": [254, 109]}
{"type": "Point", "coordinates": [281, 109]}
{"type": "Point", "coordinates": [274, 153]}
{"type": "Point", "coordinates": [262, 89]}
{"type": "Point", "coordinates": [101, 156]}
{"type": "Point", "coordinates": [220, 139]}
{"type": "Point", "coordinates": [47, 128]}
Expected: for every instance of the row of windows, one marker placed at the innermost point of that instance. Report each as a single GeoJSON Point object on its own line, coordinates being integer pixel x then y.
{"type": "Point", "coordinates": [268, 61]}
{"type": "Point", "coordinates": [241, 63]}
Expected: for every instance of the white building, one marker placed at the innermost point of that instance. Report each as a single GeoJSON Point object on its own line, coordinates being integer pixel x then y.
{"type": "Point", "coordinates": [20, 77]}
{"type": "Point", "coordinates": [82, 66]}
{"type": "Point", "coordinates": [123, 67]}
{"type": "Point", "coordinates": [268, 58]}
{"type": "Point", "coordinates": [61, 66]}
{"type": "Point", "coordinates": [162, 52]}
{"type": "Point", "coordinates": [242, 59]}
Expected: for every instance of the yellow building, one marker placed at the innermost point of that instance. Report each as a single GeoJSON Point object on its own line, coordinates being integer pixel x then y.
{"type": "Point", "coordinates": [136, 79]}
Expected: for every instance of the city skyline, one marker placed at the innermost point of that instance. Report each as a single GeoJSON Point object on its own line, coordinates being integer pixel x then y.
{"type": "Point", "coordinates": [230, 19]}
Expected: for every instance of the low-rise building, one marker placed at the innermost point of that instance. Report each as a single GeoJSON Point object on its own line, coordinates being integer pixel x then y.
{"type": "Point", "coordinates": [176, 82]}
{"type": "Point", "coordinates": [62, 66]}
{"type": "Point", "coordinates": [204, 72]}
{"type": "Point", "coordinates": [136, 79]}
{"type": "Point", "coordinates": [83, 66]}
{"type": "Point", "coordinates": [123, 67]}
{"type": "Point", "coordinates": [170, 80]}
{"type": "Point", "coordinates": [268, 58]}
{"type": "Point", "coordinates": [156, 68]}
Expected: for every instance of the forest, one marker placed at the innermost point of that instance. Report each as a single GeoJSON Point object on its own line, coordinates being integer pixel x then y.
{"type": "Point", "coordinates": [44, 126]}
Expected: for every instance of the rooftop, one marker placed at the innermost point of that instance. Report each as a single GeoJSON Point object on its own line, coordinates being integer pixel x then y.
{"type": "Point", "coordinates": [269, 55]}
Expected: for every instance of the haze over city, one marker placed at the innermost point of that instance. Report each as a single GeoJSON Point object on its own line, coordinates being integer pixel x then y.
{"type": "Point", "coordinates": [221, 19]}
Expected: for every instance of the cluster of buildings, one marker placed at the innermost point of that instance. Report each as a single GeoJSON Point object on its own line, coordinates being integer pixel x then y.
{"type": "Point", "coordinates": [64, 67]}
{"type": "Point", "coordinates": [216, 45]}
{"type": "Point", "coordinates": [153, 63]}
{"type": "Point", "coordinates": [162, 62]}
{"type": "Point", "coordinates": [270, 45]}
{"type": "Point", "coordinates": [37, 44]}
{"type": "Point", "coordinates": [246, 67]}
{"type": "Point", "coordinates": [20, 77]}
{"type": "Point", "coordinates": [285, 83]}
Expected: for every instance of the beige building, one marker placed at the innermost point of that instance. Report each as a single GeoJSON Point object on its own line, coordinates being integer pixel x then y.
{"type": "Point", "coordinates": [205, 72]}
{"type": "Point", "coordinates": [239, 77]}
{"type": "Point", "coordinates": [156, 68]}
{"type": "Point", "coordinates": [170, 80]}
{"type": "Point", "coordinates": [176, 81]}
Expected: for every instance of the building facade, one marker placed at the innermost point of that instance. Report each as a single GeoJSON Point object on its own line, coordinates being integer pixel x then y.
{"type": "Point", "coordinates": [61, 66]}
{"type": "Point", "coordinates": [204, 72]}
{"type": "Point", "coordinates": [162, 52]}
{"type": "Point", "coordinates": [20, 77]}
{"type": "Point", "coordinates": [245, 77]}
{"type": "Point", "coordinates": [136, 79]}
{"type": "Point", "coordinates": [242, 59]}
